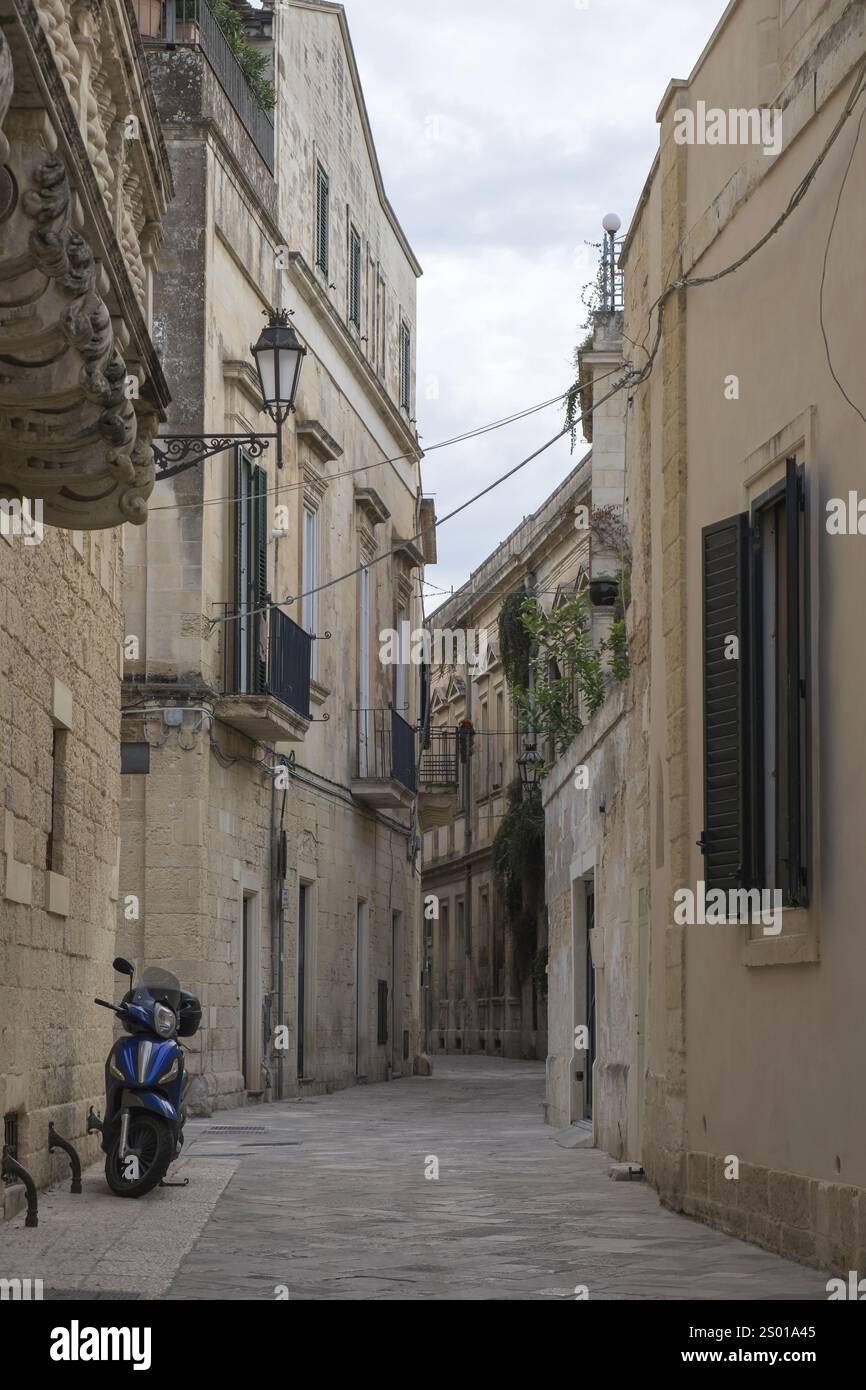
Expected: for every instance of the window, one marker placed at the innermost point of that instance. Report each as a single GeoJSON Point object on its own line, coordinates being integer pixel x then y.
{"type": "Point", "coordinates": [443, 950]}
{"type": "Point", "coordinates": [500, 738]}
{"type": "Point", "coordinates": [322, 219]}
{"type": "Point", "coordinates": [310, 580]}
{"type": "Point", "coordinates": [405, 367]}
{"type": "Point", "coordinates": [381, 1012]}
{"type": "Point", "coordinates": [54, 843]}
{"type": "Point", "coordinates": [354, 277]}
{"type": "Point", "coordinates": [401, 696]}
{"type": "Point", "coordinates": [756, 756]}
{"type": "Point", "coordinates": [485, 750]}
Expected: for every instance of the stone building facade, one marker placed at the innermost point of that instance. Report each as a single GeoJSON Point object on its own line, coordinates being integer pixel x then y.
{"type": "Point", "coordinates": [596, 880]}
{"type": "Point", "coordinates": [269, 849]}
{"type": "Point", "coordinates": [743, 448]}
{"type": "Point", "coordinates": [480, 999]}
{"type": "Point", "coordinates": [83, 188]}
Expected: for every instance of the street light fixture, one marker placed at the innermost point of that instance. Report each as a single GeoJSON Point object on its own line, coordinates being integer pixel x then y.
{"type": "Point", "coordinates": [531, 768]}
{"type": "Point", "coordinates": [279, 356]}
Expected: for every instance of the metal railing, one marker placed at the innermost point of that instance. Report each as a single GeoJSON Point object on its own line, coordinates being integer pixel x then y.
{"type": "Point", "coordinates": [285, 675]}
{"type": "Point", "coordinates": [290, 651]}
{"type": "Point", "coordinates": [170, 22]}
{"type": "Point", "coordinates": [386, 747]}
{"type": "Point", "coordinates": [439, 759]}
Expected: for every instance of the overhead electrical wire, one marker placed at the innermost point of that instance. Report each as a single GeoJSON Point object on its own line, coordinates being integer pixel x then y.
{"type": "Point", "coordinates": [440, 521]}
{"type": "Point", "coordinates": [397, 458]}
{"type": "Point", "coordinates": [695, 281]}
{"type": "Point", "coordinates": [634, 377]}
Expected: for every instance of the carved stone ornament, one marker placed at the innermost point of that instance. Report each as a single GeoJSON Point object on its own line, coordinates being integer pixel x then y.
{"type": "Point", "coordinates": [70, 434]}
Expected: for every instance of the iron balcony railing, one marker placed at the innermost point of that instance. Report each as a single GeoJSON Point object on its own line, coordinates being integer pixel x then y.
{"type": "Point", "coordinates": [386, 747]}
{"type": "Point", "coordinates": [290, 651]}
{"type": "Point", "coordinates": [170, 22]}
{"type": "Point", "coordinates": [285, 674]}
{"type": "Point", "coordinates": [439, 759]}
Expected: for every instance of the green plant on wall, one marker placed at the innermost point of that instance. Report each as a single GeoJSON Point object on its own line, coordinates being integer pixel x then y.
{"type": "Point", "coordinates": [252, 62]}
{"type": "Point", "coordinates": [568, 673]}
{"type": "Point", "coordinates": [568, 677]}
{"type": "Point", "coordinates": [578, 402]}
{"type": "Point", "coordinates": [518, 868]}
{"type": "Point", "coordinates": [515, 641]}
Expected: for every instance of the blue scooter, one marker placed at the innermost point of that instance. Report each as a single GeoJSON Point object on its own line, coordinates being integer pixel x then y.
{"type": "Point", "coordinates": [146, 1081]}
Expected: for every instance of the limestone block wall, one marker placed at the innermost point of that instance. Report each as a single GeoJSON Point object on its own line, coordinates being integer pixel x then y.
{"type": "Point", "coordinates": [60, 631]}
{"type": "Point", "coordinates": [595, 837]}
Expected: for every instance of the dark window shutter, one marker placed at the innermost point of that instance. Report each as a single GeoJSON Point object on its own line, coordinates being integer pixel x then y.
{"type": "Point", "coordinates": [260, 561]}
{"type": "Point", "coordinates": [355, 278]}
{"type": "Point", "coordinates": [725, 839]}
{"type": "Point", "coordinates": [382, 1012]}
{"type": "Point", "coordinates": [322, 219]}
{"type": "Point", "coordinates": [405, 367]}
{"type": "Point", "coordinates": [238, 598]}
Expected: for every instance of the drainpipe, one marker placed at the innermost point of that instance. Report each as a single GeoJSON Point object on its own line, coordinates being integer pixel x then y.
{"type": "Point", "coordinates": [278, 922]}
{"type": "Point", "coordinates": [276, 897]}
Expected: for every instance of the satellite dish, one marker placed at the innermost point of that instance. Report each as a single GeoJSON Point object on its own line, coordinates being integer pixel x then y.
{"type": "Point", "coordinates": [612, 223]}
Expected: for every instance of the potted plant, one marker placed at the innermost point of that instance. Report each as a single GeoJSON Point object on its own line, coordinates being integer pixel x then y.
{"type": "Point", "coordinates": [604, 590]}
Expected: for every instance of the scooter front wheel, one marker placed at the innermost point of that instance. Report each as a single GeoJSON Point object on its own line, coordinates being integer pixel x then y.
{"type": "Point", "coordinates": [150, 1149]}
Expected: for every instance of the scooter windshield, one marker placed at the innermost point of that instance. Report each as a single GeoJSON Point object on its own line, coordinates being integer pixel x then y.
{"type": "Point", "coordinates": [160, 985]}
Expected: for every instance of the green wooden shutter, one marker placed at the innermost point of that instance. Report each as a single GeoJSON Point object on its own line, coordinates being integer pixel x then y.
{"type": "Point", "coordinates": [260, 572]}
{"type": "Point", "coordinates": [726, 836]}
{"type": "Point", "coordinates": [238, 598]}
{"type": "Point", "coordinates": [322, 219]}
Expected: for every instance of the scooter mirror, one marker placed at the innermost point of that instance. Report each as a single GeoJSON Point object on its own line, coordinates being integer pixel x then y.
{"type": "Point", "coordinates": [123, 967]}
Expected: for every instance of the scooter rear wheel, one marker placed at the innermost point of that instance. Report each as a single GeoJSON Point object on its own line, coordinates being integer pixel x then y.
{"type": "Point", "coordinates": [151, 1136]}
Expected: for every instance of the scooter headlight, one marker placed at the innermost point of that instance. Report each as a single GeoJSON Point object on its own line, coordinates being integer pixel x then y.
{"type": "Point", "coordinates": [164, 1020]}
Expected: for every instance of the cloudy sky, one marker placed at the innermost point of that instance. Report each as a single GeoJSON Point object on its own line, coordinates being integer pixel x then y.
{"type": "Point", "coordinates": [505, 131]}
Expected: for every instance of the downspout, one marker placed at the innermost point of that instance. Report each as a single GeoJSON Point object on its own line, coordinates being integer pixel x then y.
{"type": "Point", "coordinates": [276, 897]}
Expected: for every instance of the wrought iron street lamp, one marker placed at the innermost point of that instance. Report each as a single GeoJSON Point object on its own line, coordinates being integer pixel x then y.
{"type": "Point", "coordinates": [279, 356]}
{"type": "Point", "coordinates": [531, 767]}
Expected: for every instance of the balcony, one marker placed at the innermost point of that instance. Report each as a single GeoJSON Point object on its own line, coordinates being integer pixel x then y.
{"type": "Point", "coordinates": [188, 23]}
{"type": "Point", "coordinates": [385, 760]}
{"type": "Point", "coordinates": [268, 700]}
{"type": "Point", "coordinates": [438, 784]}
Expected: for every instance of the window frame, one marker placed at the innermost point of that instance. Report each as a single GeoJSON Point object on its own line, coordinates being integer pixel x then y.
{"type": "Point", "coordinates": [310, 577]}
{"type": "Point", "coordinates": [355, 259]}
{"type": "Point", "coordinates": [323, 218]}
{"type": "Point", "coordinates": [405, 366]}
{"type": "Point", "coordinates": [793, 742]}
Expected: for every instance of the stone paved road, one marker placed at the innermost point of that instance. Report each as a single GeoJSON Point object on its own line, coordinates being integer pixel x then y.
{"type": "Point", "coordinates": [331, 1201]}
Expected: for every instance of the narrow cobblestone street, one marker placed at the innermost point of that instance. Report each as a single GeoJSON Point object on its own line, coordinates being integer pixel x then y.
{"type": "Point", "coordinates": [332, 1202]}
{"type": "Point", "coordinates": [328, 1198]}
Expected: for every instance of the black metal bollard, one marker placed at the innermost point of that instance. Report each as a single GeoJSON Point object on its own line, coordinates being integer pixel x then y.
{"type": "Point", "coordinates": [56, 1141]}
{"type": "Point", "coordinates": [11, 1165]}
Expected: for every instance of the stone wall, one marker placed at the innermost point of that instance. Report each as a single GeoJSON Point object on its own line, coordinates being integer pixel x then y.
{"type": "Point", "coordinates": [59, 675]}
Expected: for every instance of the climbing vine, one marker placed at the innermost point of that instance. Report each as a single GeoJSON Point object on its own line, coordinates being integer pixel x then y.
{"type": "Point", "coordinates": [578, 402]}
{"type": "Point", "coordinates": [518, 868]}
{"type": "Point", "coordinates": [515, 640]}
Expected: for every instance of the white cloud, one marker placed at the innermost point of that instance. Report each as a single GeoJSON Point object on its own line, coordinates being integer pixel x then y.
{"type": "Point", "coordinates": [505, 131]}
